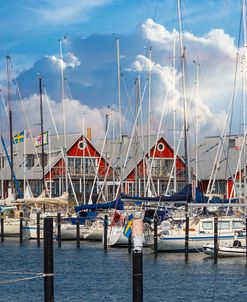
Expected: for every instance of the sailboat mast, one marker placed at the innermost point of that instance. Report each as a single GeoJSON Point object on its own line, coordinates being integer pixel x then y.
{"type": "Point", "coordinates": [10, 125]}
{"type": "Point", "coordinates": [182, 55]}
{"type": "Point", "coordinates": [244, 98]}
{"type": "Point", "coordinates": [136, 145]}
{"type": "Point", "coordinates": [84, 159]}
{"type": "Point", "coordinates": [64, 115]}
{"type": "Point", "coordinates": [149, 102]}
{"type": "Point", "coordinates": [120, 114]}
{"type": "Point", "coordinates": [42, 133]}
{"type": "Point", "coordinates": [197, 127]}
{"type": "Point", "coordinates": [174, 112]}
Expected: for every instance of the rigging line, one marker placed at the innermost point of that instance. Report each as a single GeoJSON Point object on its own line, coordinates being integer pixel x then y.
{"type": "Point", "coordinates": [157, 137]}
{"type": "Point", "coordinates": [61, 149]}
{"type": "Point", "coordinates": [26, 118]}
{"type": "Point", "coordinates": [234, 88]}
{"type": "Point", "coordinates": [223, 137]}
{"type": "Point", "coordinates": [68, 88]}
{"type": "Point", "coordinates": [4, 105]}
{"type": "Point", "coordinates": [154, 19]}
{"type": "Point", "coordinates": [98, 166]}
{"type": "Point", "coordinates": [21, 160]}
{"type": "Point", "coordinates": [52, 117]}
{"type": "Point", "coordinates": [133, 114]}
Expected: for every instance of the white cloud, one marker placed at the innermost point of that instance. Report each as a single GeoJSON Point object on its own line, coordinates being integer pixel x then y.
{"type": "Point", "coordinates": [67, 12]}
{"type": "Point", "coordinates": [69, 60]}
{"type": "Point", "coordinates": [93, 77]}
{"type": "Point", "coordinates": [216, 54]}
{"type": "Point", "coordinates": [74, 111]}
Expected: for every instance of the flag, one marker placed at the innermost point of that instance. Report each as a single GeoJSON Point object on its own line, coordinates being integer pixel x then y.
{"type": "Point", "coordinates": [19, 137]}
{"type": "Point", "coordinates": [128, 227]}
{"type": "Point", "coordinates": [38, 139]}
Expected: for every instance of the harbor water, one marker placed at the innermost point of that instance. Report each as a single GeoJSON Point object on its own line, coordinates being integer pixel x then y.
{"type": "Point", "coordinates": [89, 274]}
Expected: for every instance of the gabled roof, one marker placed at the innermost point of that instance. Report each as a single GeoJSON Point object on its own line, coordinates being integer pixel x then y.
{"type": "Point", "coordinates": [56, 143]}
{"type": "Point", "coordinates": [207, 150]}
{"type": "Point", "coordinates": [136, 152]}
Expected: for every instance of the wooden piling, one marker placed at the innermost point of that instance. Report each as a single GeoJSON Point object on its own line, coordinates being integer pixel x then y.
{"type": "Point", "coordinates": [187, 227]}
{"type": "Point", "coordinates": [48, 260]}
{"type": "Point", "coordinates": [105, 232]}
{"type": "Point", "coordinates": [2, 227]}
{"type": "Point", "coordinates": [21, 226]}
{"type": "Point", "coordinates": [137, 264]}
{"type": "Point", "coordinates": [38, 229]}
{"type": "Point", "coordinates": [59, 230]}
{"type": "Point", "coordinates": [155, 236]}
{"type": "Point", "coordinates": [215, 240]}
{"type": "Point", "coordinates": [78, 233]}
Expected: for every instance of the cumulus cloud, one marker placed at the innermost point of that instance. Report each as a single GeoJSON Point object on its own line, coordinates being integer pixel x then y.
{"type": "Point", "coordinates": [91, 75]}
{"type": "Point", "coordinates": [69, 60]}
{"type": "Point", "coordinates": [74, 112]}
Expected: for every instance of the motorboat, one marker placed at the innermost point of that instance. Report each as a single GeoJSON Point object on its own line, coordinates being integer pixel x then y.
{"type": "Point", "coordinates": [225, 251]}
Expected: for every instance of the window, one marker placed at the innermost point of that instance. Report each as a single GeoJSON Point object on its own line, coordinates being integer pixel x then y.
{"type": "Point", "coordinates": [231, 142]}
{"type": "Point", "coordinates": [162, 167]}
{"type": "Point", "coordinates": [82, 145]}
{"type": "Point", "coordinates": [161, 147]}
{"type": "Point", "coordinates": [223, 225]}
{"type": "Point", "coordinates": [76, 165]}
{"type": "Point", "coordinates": [29, 161]}
{"type": "Point", "coordinates": [207, 225]}
{"type": "Point", "coordinates": [238, 225]}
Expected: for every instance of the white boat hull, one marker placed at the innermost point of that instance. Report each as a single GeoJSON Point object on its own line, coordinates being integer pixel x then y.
{"type": "Point", "coordinates": [169, 243]}
{"type": "Point", "coordinates": [68, 231]}
{"type": "Point", "coordinates": [116, 237]}
{"type": "Point", "coordinates": [12, 229]}
{"type": "Point", "coordinates": [224, 251]}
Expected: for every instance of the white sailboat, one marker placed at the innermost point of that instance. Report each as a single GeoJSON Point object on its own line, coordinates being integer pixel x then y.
{"type": "Point", "coordinates": [201, 232]}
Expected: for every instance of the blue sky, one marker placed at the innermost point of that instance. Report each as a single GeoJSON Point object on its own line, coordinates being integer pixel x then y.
{"type": "Point", "coordinates": [30, 31]}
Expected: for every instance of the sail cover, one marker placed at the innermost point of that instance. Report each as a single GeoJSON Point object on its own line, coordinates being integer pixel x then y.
{"type": "Point", "coordinates": [115, 204]}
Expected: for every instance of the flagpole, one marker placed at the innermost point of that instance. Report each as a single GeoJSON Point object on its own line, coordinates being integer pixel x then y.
{"type": "Point", "coordinates": [24, 165]}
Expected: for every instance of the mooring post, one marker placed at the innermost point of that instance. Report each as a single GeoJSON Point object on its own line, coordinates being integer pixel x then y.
{"type": "Point", "coordinates": [105, 232]}
{"type": "Point", "coordinates": [187, 222]}
{"type": "Point", "coordinates": [155, 235]}
{"type": "Point", "coordinates": [2, 227]}
{"type": "Point", "coordinates": [38, 229]}
{"type": "Point", "coordinates": [59, 229]}
{"type": "Point", "coordinates": [215, 240]}
{"type": "Point", "coordinates": [78, 232]}
{"type": "Point", "coordinates": [129, 244]}
{"type": "Point", "coordinates": [21, 225]}
{"type": "Point", "coordinates": [48, 260]}
{"type": "Point", "coordinates": [137, 237]}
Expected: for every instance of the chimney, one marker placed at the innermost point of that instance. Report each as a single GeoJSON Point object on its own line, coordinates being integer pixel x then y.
{"type": "Point", "coordinates": [89, 134]}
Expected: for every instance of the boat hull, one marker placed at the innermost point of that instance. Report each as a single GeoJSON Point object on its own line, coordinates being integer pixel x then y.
{"type": "Point", "coordinates": [176, 243]}
{"type": "Point", "coordinates": [224, 251]}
